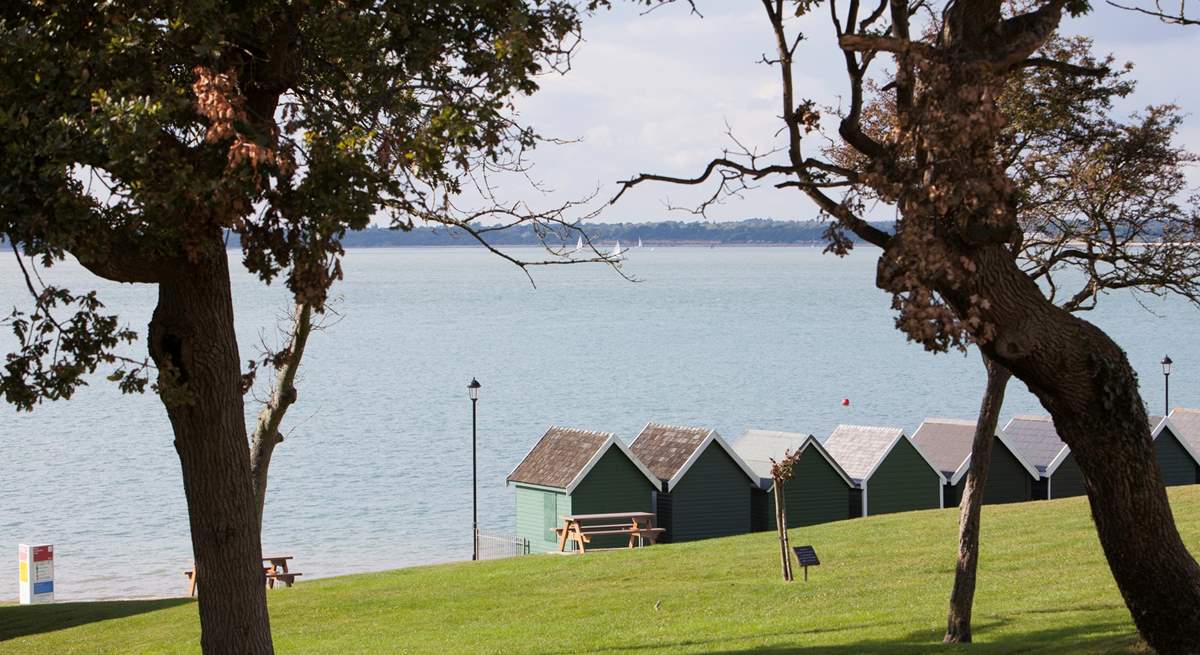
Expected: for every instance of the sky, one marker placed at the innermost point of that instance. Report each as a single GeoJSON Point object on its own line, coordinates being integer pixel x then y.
{"type": "Point", "coordinates": [658, 92]}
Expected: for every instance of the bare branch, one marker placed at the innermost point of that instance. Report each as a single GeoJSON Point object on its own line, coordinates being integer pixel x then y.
{"type": "Point", "coordinates": [1176, 19]}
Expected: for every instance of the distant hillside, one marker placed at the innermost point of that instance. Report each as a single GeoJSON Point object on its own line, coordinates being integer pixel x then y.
{"type": "Point", "coordinates": [754, 231]}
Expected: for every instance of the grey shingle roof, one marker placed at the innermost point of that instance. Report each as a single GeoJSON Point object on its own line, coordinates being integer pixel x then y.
{"type": "Point", "coordinates": [1186, 424]}
{"type": "Point", "coordinates": [758, 447]}
{"type": "Point", "coordinates": [857, 448]}
{"type": "Point", "coordinates": [559, 457]}
{"type": "Point", "coordinates": [946, 442]}
{"type": "Point", "coordinates": [664, 449]}
{"type": "Point", "coordinates": [1036, 438]}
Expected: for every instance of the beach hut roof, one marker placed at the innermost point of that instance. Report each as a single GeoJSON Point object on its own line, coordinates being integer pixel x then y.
{"type": "Point", "coordinates": [562, 458]}
{"type": "Point", "coordinates": [860, 449]}
{"type": "Point", "coordinates": [1038, 442]}
{"type": "Point", "coordinates": [1184, 423]}
{"type": "Point", "coordinates": [758, 447]}
{"type": "Point", "coordinates": [947, 443]}
{"type": "Point", "coordinates": [670, 450]}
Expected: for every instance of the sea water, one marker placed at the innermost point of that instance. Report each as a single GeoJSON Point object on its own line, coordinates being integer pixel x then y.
{"type": "Point", "coordinates": [375, 469]}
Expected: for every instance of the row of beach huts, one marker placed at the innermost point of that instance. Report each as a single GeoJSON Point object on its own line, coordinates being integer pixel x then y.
{"type": "Point", "coordinates": [701, 486]}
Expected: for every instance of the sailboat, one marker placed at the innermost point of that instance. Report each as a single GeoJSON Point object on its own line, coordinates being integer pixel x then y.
{"type": "Point", "coordinates": [579, 244]}
{"type": "Point", "coordinates": [639, 242]}
{"type": "Point", "coordinates": [616, 252]}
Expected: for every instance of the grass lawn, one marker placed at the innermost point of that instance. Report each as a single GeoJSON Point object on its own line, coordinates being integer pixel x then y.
{"type": "Point", "coordinates": [881, 588]}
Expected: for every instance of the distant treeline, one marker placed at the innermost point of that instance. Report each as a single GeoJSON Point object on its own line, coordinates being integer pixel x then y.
{"type": "Point", "coordinates": [760, 231]}
{"type": "Point", "coordinates": [751, 231]}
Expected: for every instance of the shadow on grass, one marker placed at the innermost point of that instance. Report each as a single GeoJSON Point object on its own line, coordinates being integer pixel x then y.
{"type": "Point", "coordinates": [1082, 637]}
{"type": "Point", "coordinates": [22, 620]}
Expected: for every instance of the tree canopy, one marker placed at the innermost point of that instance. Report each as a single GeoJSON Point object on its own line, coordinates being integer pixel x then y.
{"type": "Point", "coordinates": [136, 132]}
{"type": "Point", "coordinates": [139, 134]}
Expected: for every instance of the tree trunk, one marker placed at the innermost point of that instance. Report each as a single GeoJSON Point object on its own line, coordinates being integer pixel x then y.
{"type": "Point", "coordinates": [783, 531]}
{"type": "Point", "coordinates": [958, 623]}
{"type": "Point", "coordinates": [1086, 383]}
{"type": "Point", "coordinates": [781, 528]}
{"type": "Point", "coordinates": [192, 341]}
{"type": "Point", "coordinates": [283, 394]}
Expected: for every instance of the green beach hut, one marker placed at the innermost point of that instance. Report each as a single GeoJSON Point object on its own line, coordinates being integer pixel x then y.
{"type": "Point", "coordinates": [817, 491]}
{"type": "Point", "coordinates": [1177, 445]}
{"type": "Point", "coordinates": [572, 471]}
{"type": "Point", "coordinates": [947, 443]}
{"type": "Point", "coordinates": [1038, 442]}
{"type": "Point", "coordinates": [705, 487]}
{"type": "Point", "coordinates": [889, 473]}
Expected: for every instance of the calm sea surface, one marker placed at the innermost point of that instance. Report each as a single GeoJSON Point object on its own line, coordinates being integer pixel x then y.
{"type": "Point", "coordinates": [375, 472]}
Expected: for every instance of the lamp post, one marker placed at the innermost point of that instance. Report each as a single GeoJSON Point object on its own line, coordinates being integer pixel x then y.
{"type": "Point", "coordinates": [1166, 364]}
{"type": "Point", "coordinates": [473, 392]}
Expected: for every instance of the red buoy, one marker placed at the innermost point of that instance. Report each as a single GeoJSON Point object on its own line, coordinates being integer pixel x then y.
{"type": "Point", "coordinates": [845, 402]}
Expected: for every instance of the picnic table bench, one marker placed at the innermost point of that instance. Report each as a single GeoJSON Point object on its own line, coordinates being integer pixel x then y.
{"type": "Point", "coordinates": [275, 567]}
{"type": "Point", "coordinates": [580, 528]}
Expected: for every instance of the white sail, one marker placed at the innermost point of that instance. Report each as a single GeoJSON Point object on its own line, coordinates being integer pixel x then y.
{"type": "Point", "coordinates": [617, 250]}
{"type": "Point", "coordinates": [579, 244]}
{"type": "Point", "coordinates": [639, 242]}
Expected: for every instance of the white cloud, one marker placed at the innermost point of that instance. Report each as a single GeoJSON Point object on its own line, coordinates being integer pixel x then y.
{"type": "Point", "coordinates": [654, 93]}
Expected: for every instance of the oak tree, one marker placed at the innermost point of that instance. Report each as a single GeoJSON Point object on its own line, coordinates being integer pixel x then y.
{"type": "Point", "coordinates": [949, 263]}
{"type": "Point", "coordinates": [140, 135]}
{"type": "Point", "coordinates": [1098, 204]}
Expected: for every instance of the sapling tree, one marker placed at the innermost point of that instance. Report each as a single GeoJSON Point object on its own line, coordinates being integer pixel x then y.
{"type": "Point", "coordinates": [139, 135]}
{"type": "Point", "coordinates": [949, 263]}
{"type": "Point", "coordinates": [781, 472]}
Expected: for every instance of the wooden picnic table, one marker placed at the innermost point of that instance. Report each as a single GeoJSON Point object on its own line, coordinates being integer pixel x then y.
{"type": "Point", "coordinates": [580, 528]}
{"type": "Point", "coordinates": [278, 570]}
{"type": "Point", "coordinates": [275, 567]}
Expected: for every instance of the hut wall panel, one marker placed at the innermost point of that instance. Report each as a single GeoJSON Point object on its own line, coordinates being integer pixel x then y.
{"type": "Point", "coordinates": [613, 485]}
{"type": "Point", "coordinates": [952, 493]}
{"type": "Point", "coordinates": [537, 512]}
{"type": "Point", "coordinates": [1040, 489]}
{"type": "Point", "coordinates": [903, 482]}
{"type": "Point", "coordinates": [762, 509]}
{"type": "Point", "coordinates": [1008, 481]}
{"type": "Point", "coordinates": [815, 494]}
{"type": "Point", "coordinates": [1176, 465]}
{"type": "Point", "coordinates": [856, 508]}
{"type": "Point", "coordinates": [712, 499]}
{"type": "Point", "coordinates": [1067, 481]}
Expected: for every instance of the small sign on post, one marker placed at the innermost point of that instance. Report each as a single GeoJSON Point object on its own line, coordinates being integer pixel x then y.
{"type": "Point", "coordinates": [807, 557]}
{"type": "Point", "coordinates": [35, 572]}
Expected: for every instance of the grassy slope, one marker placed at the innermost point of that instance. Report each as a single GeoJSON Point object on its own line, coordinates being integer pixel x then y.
{"type": "Point", "coordinates": [882, 588]}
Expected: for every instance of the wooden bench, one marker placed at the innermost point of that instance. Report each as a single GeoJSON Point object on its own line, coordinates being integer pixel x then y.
{"type": "Point", "coordinates": [275, 567]}
{"type": "Point", "coordinates": [579, 529]}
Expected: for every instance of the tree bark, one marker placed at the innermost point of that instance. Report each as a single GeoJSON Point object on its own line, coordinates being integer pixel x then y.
{"type": "Point", "coordinates": [1086, 383]}
{"type": "Point", "coordinates": [962, 597]}
{"type": "Point", "coordinates": [193, 343]}
{"type": "Point", "coordinates": [283, 395]}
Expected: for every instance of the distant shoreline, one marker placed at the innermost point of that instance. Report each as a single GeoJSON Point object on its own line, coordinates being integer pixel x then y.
{"type": "Point", "coordinates": [601, 246]}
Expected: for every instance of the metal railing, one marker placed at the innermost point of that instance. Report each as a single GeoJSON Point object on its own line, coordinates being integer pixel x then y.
{"type": "Point", "coordinates": [494, 546]}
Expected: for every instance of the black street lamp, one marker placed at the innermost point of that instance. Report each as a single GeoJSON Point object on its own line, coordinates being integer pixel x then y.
{"type": "Point", "coordinates": [1166, 364]}
{"type": "Point", "coordinates": [473, 392]}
